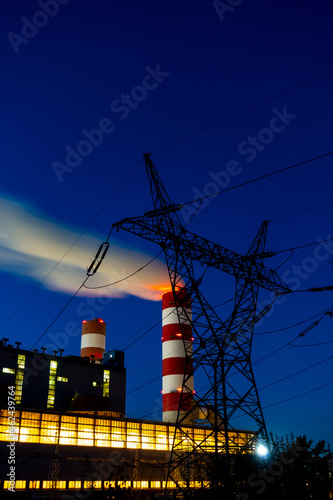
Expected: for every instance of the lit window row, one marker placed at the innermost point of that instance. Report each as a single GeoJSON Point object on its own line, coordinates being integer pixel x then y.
{"type": "Point", "coordinates": [46, 428]}
{"type": "Point", "coordinates": [52, 384]}
{"type": "Point", "coordinates": [19, 378]}
{"type": "Point", "coordinates": [106, 383]}
{"type": "Point", "coordinates": [62, 379]}
{"type": "Point", "coordinates": [96, 485]}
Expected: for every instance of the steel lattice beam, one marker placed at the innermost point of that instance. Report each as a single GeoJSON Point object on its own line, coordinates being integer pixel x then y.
{"type": "Point", "coordinates": [221, 349]}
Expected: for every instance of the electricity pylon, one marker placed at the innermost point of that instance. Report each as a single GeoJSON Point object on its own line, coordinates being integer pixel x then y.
{"type": "Point", "coordinates": [220, 350]}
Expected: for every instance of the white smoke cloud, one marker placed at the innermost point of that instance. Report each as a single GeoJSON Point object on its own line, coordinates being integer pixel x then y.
{"type": "Point", "coordinates": [32, 246]}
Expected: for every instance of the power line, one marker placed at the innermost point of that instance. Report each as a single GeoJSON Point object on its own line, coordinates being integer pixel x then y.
{"type": "Point", "coordinates": [301, 211]}
{"type": "Point", "coordinates": [295, 324]}
{"type": "Point", "coordinates": [298, 395]}
{"type": "Point", "coordinates": [294, 374]}
{"type": "Point", "coordinates": [62, 310]}
{"type": "Point", "coordinates": [306, 423]}
{"type": "Point", "coordinates": [240, 113]}
{"type": "Point", "coordinates": [74, 243]}
{"type": "Point", "coordinates": [126, 277]}
{"type": "Point", "coordinates": [303, 246]}
{"type": "Point", "coordinates": [314, 345]}
{"type": "Point", "coordinates": [256, 179]}
{"type": "Point", "coordinates": [289, 345]}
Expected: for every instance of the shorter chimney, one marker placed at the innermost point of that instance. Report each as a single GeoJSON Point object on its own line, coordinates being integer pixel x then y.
{"type": "Point", "coordinates": [93, 338]}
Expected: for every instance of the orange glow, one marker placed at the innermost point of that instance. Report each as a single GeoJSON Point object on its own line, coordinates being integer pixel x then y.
{"type": "Point", "coordinates": [179, 389]}
{"type": "Point", "coordinates": [84, 321]}
{"type": "Point", "coordinates": [178, 334]}
{"type": "Point", "coordinates": [161, 288]}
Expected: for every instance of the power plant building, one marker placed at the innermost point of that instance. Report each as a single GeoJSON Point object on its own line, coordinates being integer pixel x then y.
{"type": "Point", "coordinates": [69, 430]}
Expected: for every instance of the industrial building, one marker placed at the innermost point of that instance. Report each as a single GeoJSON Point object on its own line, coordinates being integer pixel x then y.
{"type": "Point", "coordinates": [69, 432]}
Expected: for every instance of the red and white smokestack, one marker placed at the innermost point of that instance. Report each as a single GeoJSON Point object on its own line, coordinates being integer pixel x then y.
{"type": "Point", "coordinates": [93, 338]}
{"type": "Point", "coordinates": [173, 354]}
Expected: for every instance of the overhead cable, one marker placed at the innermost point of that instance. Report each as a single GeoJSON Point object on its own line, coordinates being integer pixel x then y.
{"type": "Point", "coordinates": [240, 113]}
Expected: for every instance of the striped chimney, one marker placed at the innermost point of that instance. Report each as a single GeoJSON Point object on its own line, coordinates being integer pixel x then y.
{"type": "Point", "coordinates": [173, 355]}
{"type": "Point", "coordinates": [93, 338]}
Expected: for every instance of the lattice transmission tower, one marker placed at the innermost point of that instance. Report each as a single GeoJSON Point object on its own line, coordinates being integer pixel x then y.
{"type": "Point", "coordinates": [221, 350]}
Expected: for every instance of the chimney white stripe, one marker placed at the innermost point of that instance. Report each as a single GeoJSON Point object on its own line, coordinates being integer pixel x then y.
{"type": "Point", "coordinates": [93, 340]}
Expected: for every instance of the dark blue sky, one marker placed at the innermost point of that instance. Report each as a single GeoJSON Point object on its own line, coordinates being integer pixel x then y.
{"type": "Point", "coordinates": [146, 74]}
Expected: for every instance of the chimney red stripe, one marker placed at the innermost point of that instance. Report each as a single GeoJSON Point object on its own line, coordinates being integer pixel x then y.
{"type": "Point", "coordinates": [170, 332]}
{"type": "Point", "coordinates": [176, 366]}
{"type": "Point", "coordinates": [171, 401]}
{"type": "Point", "coordinates": [169, 301]}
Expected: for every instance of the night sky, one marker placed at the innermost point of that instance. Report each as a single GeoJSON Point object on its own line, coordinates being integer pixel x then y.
{"type": "Point", "coordinates": [87, 88]}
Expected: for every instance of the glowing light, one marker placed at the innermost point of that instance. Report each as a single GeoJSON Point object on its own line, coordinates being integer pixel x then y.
{"type": "Point", "coordinates": [179, 389]}
{"type": "Point", "coordinates": [178, 334]}
{"type": "Point", "coordinates": [84, 321]}
{"type": "Point", "coordinates": [8, 370]}
{"type": "Point", "coordinates": [101, 321]}
{"type": "Point", "coordinates": [162, 288]}
{"type": "Point", "coordinates": [262, 450]}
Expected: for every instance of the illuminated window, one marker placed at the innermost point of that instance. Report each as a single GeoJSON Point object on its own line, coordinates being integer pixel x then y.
{"type": "Point", "coordinates": [68, 430]}
{"type": "Point", "coordinates": [102, 432]}
{"type": "Point", "coordinates": [47, 484]}
{"type": "Point", "coordinates": [133, 435]}
{"type": "Point", "coordinates": [49, 433]}
{"type": "Point", "coordinates": [9, 427]}
{"type": "Point", "coordinates": [85, 431]}
{"type": "Point", "coordinates": [106, 383]}
{"type": "Point", "coordinates": [74, 484]}
{"type": "Point", "coordinates": [148, 437]}
{"type": "Point", "coordinates": [161, 437]}
{"type": "Point", "coordinates": [29, 429]}
{"type": "Point", "coordinates": [8, 370]}
{"type": "Point", "coordinates": [34, 485]}
{"type": "Point", "coordinates": [62, 379]}
{"type": "Point", "coordinates": [19, 485]}
{"type": "Point", "coordinates": [19, 378]}
{"type": "Point", "coordinates": [155, 484]}
{"type": "Point", "coordinates": [141, 484]}
{"type": "Point", "coordinates": [171, 436]}
{"type": "Point", "coordinates": [52, 384]}
{"type": "Point", "coordinates": [92, 484]}
{"type": "Point", "coordinates": [95, 384]}
{"type": "Point", "coordinates": [109, 484]}
{"type": "Point", "coordinates": [118, 435]}
{"type": "Point", "coordinates": [169, 484]}
{"type": "Point", "coordinates": [60, 485]}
